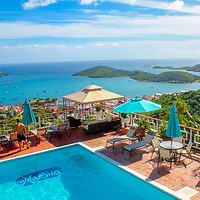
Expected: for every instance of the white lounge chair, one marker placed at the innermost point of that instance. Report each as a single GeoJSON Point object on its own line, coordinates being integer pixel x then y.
{"type": "Point", "coordinates": [132, 147]}
{"type": "Point", "coordinates": [128, 136]}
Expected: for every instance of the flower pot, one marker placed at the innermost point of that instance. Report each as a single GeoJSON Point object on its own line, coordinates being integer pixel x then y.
{"type": "Point", "coordinates": [143, 132]}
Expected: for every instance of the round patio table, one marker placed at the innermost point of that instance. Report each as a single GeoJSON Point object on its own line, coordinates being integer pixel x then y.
{"type": "Point", "coordinates": [171, 145]}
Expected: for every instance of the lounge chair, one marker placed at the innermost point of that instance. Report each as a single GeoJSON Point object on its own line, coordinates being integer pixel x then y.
{"type": "Point", "coordinates": [132, 147]}
{"type": "Point", "coordinates": [128, 136]}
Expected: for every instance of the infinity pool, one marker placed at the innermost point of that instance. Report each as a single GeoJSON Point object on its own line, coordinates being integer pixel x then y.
{"type": "Point", "coordinates": [71, 173]}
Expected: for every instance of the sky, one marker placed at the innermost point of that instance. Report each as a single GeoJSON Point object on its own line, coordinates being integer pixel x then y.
{"type": "Point", "coordinates": [76, 30]}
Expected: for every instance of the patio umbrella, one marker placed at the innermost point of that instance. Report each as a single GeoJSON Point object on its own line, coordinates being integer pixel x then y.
{"type": "Point", "coordinates": [28, 115]}
{"type": "Point", "coordinates": [173, 128]}
{"type": "Point", "coordinates": [137, 105]}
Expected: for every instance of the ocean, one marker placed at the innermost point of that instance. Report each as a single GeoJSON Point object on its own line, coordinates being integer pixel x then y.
{"type": "Point", "coordinates": [55, 79]}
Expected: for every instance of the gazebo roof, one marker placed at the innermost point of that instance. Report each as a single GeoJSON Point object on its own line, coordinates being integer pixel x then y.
{"type": "Point", "coordinates": [92, 94]}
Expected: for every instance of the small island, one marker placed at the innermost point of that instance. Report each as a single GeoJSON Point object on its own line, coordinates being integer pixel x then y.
{"type": "Point", "coordinates": [168, 77]}
{"type": "Point", "coordinates": [194, 68]}
{"type": "Point", "coordinates": [3, 74]}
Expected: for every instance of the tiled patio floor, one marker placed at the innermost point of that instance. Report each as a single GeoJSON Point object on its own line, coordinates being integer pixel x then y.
{"type": "Point", "coordinates": [140, 161]}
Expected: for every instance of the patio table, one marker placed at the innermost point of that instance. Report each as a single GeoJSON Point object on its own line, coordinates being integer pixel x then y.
{"type": "Point", "coordinates": [171, 145]}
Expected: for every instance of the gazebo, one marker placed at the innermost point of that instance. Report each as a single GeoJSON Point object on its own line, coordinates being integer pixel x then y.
{"type": "Point", "coordinates": [90, 95]}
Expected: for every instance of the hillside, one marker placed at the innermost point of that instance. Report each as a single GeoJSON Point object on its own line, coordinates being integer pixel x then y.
{"type": "Point", "coordinates": [108, 72]}
{"type": "Point", "coordinates": [187, 105]}
{"type": "Point", "coordinates": [194, 68]}
{"type": "Point", "coordinates": [170, 77]}
{"type": "Point", "coordinates": [103, 72]}
{"type": "Point", "coordinates": [172, 68]}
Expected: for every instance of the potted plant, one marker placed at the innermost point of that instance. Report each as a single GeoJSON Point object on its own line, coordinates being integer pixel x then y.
{"type": "Point", "coordinates": [162, 131]}
{"type": "Point", "coordinates": [98, 111]}
{"type": "Point", "coordinates": [143, 126]}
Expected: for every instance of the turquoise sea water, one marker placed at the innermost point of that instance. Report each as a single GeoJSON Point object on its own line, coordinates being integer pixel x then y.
{"type": "Point", "coordinates": [84, 176]}
{"type": "Point", "coordinates": [56, 80]}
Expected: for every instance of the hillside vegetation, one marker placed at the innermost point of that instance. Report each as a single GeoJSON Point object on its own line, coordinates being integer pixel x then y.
{"type": "Point", "coordinates": [170, 77]}
{"type": "Point", "coordinates": [194, 68]}
{"type": "Point", "coordinates": [103, 72]}
{"type": "Point", "coordinates": [187, 104]}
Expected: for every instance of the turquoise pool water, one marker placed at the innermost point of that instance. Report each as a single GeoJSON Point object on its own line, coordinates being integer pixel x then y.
{"type": "Point", "coordinates": [72, 173]}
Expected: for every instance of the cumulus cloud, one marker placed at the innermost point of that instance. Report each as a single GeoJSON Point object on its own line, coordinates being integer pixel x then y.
{"type": "Point", "coordinates": [176, 5]}
{"type": "Point", "coordinates": [30, 4]}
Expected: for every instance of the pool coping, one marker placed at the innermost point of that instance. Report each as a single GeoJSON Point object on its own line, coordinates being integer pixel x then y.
{"type": "Point", "coordinates": [140, 176]}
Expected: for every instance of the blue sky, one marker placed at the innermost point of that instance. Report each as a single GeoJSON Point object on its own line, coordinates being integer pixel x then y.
{"type": "Point", "coordinates": [75, 30]}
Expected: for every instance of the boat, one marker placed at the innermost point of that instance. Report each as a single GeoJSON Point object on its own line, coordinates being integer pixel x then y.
{"type": "Point", "coordinates": [44, 90]}
{"type": "Point", "coordinates": [38, 93]}
{"type": "Point", "coordinates": [5, 92]}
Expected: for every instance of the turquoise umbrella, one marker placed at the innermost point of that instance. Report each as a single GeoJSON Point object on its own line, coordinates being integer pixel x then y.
{"type": "Point", "coordinates": [173, 128]}
{"type": "Point", "coordinates": [137, 105]}
{"type": "Point", "coordinates": [28, 115]}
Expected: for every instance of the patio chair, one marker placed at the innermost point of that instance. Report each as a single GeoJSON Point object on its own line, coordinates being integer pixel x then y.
{"type": "Point", "coordinates": [132, 147]}
{"type": "Point", "coordinates": [38, 132]}
{"type": "Point", "coordinates": [155, 145]}
{"type": "Point", "coordinates": [163, 155]}
{"type": "Point", "coordinates": [178, 139]}
{"type": "Point", "coordinates": [185, 151]}
{"type": "Point", "coordinates": [62, 129]}
{"type": "Point", "coordinates": [129, 136]}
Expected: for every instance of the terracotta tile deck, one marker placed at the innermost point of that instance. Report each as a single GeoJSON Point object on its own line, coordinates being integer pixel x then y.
{"type": "Point", "coordinates": [140, 161]}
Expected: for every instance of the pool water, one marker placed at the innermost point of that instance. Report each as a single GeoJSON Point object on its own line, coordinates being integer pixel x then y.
{"type": "Point", "coordinates": [81, 175]}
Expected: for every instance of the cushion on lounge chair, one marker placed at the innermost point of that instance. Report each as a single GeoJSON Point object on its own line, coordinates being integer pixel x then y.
{"type": "Point", "coordinates": [147, 140]}
{"type": "Point", "coordinates": [129, 135]}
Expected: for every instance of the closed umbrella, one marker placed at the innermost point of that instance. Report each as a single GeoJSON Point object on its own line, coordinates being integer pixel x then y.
{"type": "Point", "coordinates": [137, 105]}
{"type": "Point", "coordinates": [28, 115]}
{"type": "Point", "coordinates": [173, 128]}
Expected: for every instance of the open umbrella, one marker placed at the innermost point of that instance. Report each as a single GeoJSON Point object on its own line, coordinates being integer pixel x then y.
{"type": "Point", "coordinates": [28, 115]}
{"type": "Point", "coordinates": [137, 105]}
{"type": "Point", "coordinates": [173, 128]}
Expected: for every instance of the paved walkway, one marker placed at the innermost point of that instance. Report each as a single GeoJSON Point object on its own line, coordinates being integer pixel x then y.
{"type": "Point", "coordinates": [176, 178]}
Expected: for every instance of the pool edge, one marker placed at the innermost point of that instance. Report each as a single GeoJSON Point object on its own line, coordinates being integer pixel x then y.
{"type": "Point", "coordinates": [138, 175]}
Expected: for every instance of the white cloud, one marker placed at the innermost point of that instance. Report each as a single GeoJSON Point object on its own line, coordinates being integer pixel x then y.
{"type": "Point", "coordinates": [30, 4]}
{"type": "Point", "coordinates": [128, 50]}
{"type": "Point", "coordinates": [176, 5]}
{"type": "Point", "coordinates": [87, 2]}
{"type": "Point", "coordinates": [99, 44]}
{"type": "Point", "coordinates": [106, 26]}
{"type": "Point", "coordinates": [115, 44]}
{"type": "Point", "coordinates": [79, 47]}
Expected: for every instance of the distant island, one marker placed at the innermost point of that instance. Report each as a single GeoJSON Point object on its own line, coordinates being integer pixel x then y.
{"type": "Point", "coordinates": [3, 74]}
{"type": "Point", "coordinates": [194, 68]}
{"type": "Point", "coordinates": [109, 72]}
